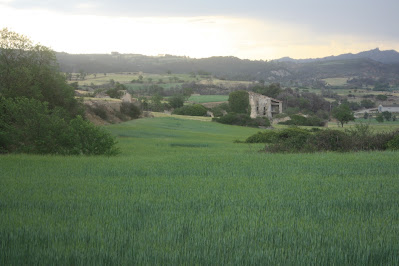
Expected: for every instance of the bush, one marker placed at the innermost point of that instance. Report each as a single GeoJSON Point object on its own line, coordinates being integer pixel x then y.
{"type": "Point", "coordinates": [243, 120]}
{"type": "Point", "coordinates": [298, 120]}
{"type": "Point", "coordinates": [290, 140]}
{"type": "Point", "coordinates": [28, 126]}
{"type": "Point", "coordinates": [262, 137]}
{"type": "Point", "coordinates": [130, 109]}
{"type": "Point", "coordinates": [193, 110]}
{"type": "Point", "coordinates": [331, 140]}
{"type": "Point", "coordinates": [393, 144]}
{"type": "Point", "coordinates": [99, 110]}
{"type": "Point", "coordinates": [360, 138]}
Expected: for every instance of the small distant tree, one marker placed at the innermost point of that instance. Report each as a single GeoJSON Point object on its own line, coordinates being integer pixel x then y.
{"type": "Point", "coordinates": [343, 114]}
{"type": "Point", "coordinates": [387, 115]}
{"type": "Point", "coordinates": [367, 103]}
{"type": "Point", "coordinates": [379, 118]}
{"type": "Point", "coordinates": [239, 101]}
{"type": "Point", "coordinates": [381, 97]}
{"type": "Point", "coordinates": [176, 101]}
{"type": "Point", "coordinates": [366, 115]}
{"type": "Point", "coordinates": [187, 93]}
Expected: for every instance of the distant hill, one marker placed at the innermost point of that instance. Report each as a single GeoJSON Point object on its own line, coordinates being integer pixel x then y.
{"type": "Point", "coordinates": [386, 57]}
{"type": "Point", "coordinates": [374, 64]}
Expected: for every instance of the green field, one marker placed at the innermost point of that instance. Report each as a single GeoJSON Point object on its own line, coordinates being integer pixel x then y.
{"type": "Point", "coordinates": [208, 98]}
{"type": "Point", "coordinates": [182, 193]}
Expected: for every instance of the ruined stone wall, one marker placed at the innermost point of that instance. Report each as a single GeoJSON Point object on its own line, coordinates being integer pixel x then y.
{"type": "Point", "coordinates": [260, 105]}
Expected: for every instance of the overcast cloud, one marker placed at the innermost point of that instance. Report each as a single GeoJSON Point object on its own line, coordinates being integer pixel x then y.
{"type": "Point", "coordinates": [322, 22]}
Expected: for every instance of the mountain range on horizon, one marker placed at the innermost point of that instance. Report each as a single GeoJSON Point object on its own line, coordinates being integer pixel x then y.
{"type": "Point", "coordinates": [385, 57]}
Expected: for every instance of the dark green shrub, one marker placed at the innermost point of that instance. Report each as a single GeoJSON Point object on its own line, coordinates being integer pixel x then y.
{"type": "Point", "coordinates": [100, 110]}
{"type": "Point", "coordinates": [381, 97]}
{"type": "Point", "coordinates": [130, 109]}
{"type": "Point", "coordinates": [291, 140]}
{"type": "Point", "coordinates": [193, 110]}
{"type": "Point", "coordinates": [243, 120]}
{"type": "Point", "coordinates": [393, 144]}
{"type": "Point", "coordinates": [331, 140]}
{"type": "Point", "coordinates": [28, 126]}
{"type": "Point", "coordinates": [262, 137]}
{"type": "Point", "coordinates": [234, 119]}
{"type": "Point", "coordinates": [298, 120]}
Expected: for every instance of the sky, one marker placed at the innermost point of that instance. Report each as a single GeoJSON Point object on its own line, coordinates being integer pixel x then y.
{"type": "Point", "coordinates": [251, 29]}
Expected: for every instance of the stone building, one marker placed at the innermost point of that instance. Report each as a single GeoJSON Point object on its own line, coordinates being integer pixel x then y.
{"type": "Point", "coordinates": [263, 106]}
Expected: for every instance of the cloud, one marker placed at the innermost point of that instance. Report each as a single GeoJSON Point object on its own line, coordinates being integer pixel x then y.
{"type": "Point", "coordinates": [195, 36]}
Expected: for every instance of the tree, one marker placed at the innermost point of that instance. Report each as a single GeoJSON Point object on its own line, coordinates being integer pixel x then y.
{"type": "Point", "coordinates": [387, 115]}
{"type": "Point", "coordinates": [379, 118]}
{"type": "Point", "coordinates": [176, 101]}
{"type": "Point", "coordinates": [30, 70]}
{"type": "Point", "coordinates": [343, 114]}
{"type": "Point", "coordinates": [239, 101]}
{"type": "Point", "coordinates": [272, 90]}
{"type": "Point", "coordinates": [38, 109]}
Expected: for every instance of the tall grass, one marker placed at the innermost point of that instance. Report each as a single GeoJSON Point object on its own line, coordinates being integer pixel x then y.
{"type": "Point", "coordinates": [182, 192]}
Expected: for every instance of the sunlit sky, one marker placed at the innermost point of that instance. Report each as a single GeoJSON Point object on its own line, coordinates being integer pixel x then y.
{"type": "Point", "coordinates": [252, 29]}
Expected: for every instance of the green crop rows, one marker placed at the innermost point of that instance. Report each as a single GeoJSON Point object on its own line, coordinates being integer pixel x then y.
{"type": "Point", "coordinates": [182, 193]}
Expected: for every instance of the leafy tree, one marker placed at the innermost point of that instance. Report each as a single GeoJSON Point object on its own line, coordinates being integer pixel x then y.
{"type": "Point", "coordinates": [343, 114]}
{"type": "Point", "coordinates": [379, 118]}
{"type": "Point", "coordinates": [273, 90]}
{"type": "Point", "coordinates": [38, 109]}
{"type": "Point", "coordinates": [387, 115]}
{"type": "Point", "coordinates": [187, 93]}
{"type": "Point", "coordinates": [29, 70]}
{"type": "Point", "coordinates": [176, 101]}
{"type": "Point", "coordinates": [239, 101]}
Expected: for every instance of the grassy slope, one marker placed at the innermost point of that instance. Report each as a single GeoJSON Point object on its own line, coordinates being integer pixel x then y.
{"type": "Point", "coordinates": [182, 193]}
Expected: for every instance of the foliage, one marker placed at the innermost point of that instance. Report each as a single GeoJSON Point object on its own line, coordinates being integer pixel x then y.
{"type": "Point", "coordinates": [117, 91]}
{"type": "Point", "coordinates": [28, 126]}
{"type": "Point", "coordinates": [393, 144]}
{"type": "Point", "coordinates": [39, 112]}
{"type": "Point", "coordinates": [239, 102]}
{"type": "Point", "coordinates": [99, 110]}
{"type": "Point", "coordinates": [343, 114]}
{"type": "Point", "coordinates": [381, 97]}
{"type": "Point", "coordinates": [28, 70]}
{"type": "Point", "coordinates": [130, 109]}
{"type": "Point", "coordinates": [379, 118]}
{"type": "Point", "coordinates": [299, 120]}
{"type": "Point", "coordinates": [267, 136]}
{"type": "Point", "coordinates": [359, 138]}
{"type": "Point", "coordinates": [243, 120]}
{"type": "Point", "coordinates": [290, 140]}
{"type": "Point", "coordinates": [387, 115]}
{"type": "Point", "coordinates": [273, 90]}
{"type": "Point", "coordinates": [367, 104]}
{"type": "Point", "coordinates": [176, 101]}
{"type": "Point", "coordinates": [193, 110]}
